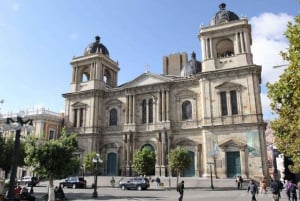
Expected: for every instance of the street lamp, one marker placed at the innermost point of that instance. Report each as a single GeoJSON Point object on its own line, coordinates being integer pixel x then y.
{"type": "Point", "coordinates": [96, 160]}
{"type": "Point", "coordinates": [211, 177]}
{"type": "Point", "coordinates": [82, 168]}
{"type": "Point", "coordinates": [32, 181]}
{"type": "Point", "coordinates": [16, 125]}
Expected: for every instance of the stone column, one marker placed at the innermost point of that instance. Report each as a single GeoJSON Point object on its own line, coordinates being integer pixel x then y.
{"type": "Point", "coordinates": [158, 154]}
{"type": "Point", "coordinates": [163, 105]}
{"type": "Point", "coordinates": [133, 109]}
{"type": "Point", "coordinates": [243, 163]}
{"type": "Point", "coordinates": [167, 105]}
{"type": "Point", "coordinates": [130, 109]}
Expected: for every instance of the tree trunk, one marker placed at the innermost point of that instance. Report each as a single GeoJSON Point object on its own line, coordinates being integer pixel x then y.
{"type": "Point", "coordinates": [51, 195]}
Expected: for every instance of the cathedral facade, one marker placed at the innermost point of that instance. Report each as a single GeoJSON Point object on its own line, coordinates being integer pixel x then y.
{"type": "Point", "coordinates": [212, 108]}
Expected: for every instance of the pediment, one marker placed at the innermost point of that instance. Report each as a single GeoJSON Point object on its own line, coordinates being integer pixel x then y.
{"type": "Point", "coordinates": [146, 79]}
{"type": "Point", "coordinates": [228, 86]}
{"type": "Point", "coordinates": [79, 105]}
{"type": "Point", "coordinates": [232, 143]}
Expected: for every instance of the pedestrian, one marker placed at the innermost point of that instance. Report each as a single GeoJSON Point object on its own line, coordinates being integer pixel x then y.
{"type": "Point", "coordinates": [252, 187]}
{"type": "Point", "coordinates": [287, 185]}
{"type": "Point", "coordinates": [298, 186]}
{"type": "Point", "coordinates": [293, 191]}
{"type": "Point", "coordinates": [263, 186]}
{"type": "Point", "coordinates": [157, 182]}
{"type": "Point", "coordinates": [180, 190]}
{"type": "Point", "coordinates": [25, 195]}
{"type": "Point", "coordinates": [275, 189]}
{"type": "Point", "coordinates": [239, 181]}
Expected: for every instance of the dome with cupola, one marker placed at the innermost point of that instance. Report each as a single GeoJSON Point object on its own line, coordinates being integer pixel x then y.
{"type": "Point", "coordinates": [223, 16]}
{"type": "Point", "coordinates": [96, 47]}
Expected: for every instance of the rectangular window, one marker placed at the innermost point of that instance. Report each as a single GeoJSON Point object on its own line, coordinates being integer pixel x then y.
{"type": "Point", "coordinates": [224, 111]}
{"type": "Point", "coordinates": [75, 118]}
{"type": "Point", "coordinates": [51, 134]}
{"type": "Point", "coordinates": [81, 117]}
{"type": "Point", "coordinates": [233, 101]}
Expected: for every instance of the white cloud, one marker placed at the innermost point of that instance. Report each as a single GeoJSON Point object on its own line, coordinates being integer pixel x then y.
{"type": "Point", "coordinates": [268, 40]}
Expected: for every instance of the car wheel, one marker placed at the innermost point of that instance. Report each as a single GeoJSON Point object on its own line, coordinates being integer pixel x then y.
{"type": "Point", "coordinates": [123, 187]}
{"type": "Point", "coordinates": [139, 188]}
{"type": "Point", "coordinates": [74, 186]}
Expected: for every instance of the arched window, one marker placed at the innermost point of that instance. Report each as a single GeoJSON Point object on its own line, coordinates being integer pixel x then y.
{"type": "Point", "coordinates": [186, 110]}
{"type": "Point", "coordinates": [107, 77]}
{"type": "Point", "coordinates": [225, 48]}
{"type": "Point", "coordinates": [150, 110]}
{"type": "Point", "coordinates": [113, 117]}
{"type": "Point", "coordinates": [144, 111]}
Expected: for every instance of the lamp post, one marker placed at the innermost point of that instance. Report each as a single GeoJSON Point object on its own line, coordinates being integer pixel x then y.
{"type": "Point", "coordinates": [211, 177]}
{"type": "Point", "coordinates": [32, 181]}
{"type": "Point", "coordinates": [82, 168]}
{"type": "Point", "coordinates": [96, 160]}
{"type": "Point", "coordinates": [16, 125]}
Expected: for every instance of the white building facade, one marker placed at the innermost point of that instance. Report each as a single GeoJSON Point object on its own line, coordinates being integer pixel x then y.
{"type": "Point", "coordinates": [212, 107]}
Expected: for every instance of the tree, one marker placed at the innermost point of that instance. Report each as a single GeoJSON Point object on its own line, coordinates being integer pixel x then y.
{"type": "Point", "coordinates": [144, 161]}
{"type": "Point", "coordinates": [179, 160]}
{"type": "Point", "coordinates": [88, 161]}
{"type": "Point", "coordinates": [285, 99]}
{"type": "Point", "coordinates": [6, 154]}
{"type": "Point", "coordinates": [53, 159]}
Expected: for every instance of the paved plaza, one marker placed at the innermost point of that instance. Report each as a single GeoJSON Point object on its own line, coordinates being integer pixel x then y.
{"type": "Point", "coordinates": [116, 194]}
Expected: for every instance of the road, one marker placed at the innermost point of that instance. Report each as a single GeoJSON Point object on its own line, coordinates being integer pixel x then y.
{"type": "Point", "coordinates": [116, 194]}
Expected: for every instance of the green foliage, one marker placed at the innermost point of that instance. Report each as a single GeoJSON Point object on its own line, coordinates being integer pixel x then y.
{"type": "Point", "coordinates": [6, 154]}
{"type": "Point", "coordinates": [88, 162]}
{"type": "Point", "coordinates": [285, 97]}
{"type": "Point", "coordinates": [53, 158]}
{"type": "Point", "coordinates": [179, 159]}
{"type": "Point", "coordinates": [144, 161]}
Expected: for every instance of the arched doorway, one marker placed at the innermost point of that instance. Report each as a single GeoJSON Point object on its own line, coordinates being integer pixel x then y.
{"type": "Point", "coordinates": [112, 164]}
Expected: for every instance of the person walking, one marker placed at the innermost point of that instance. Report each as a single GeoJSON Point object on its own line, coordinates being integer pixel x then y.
{"type": "Point", "coordinates": [275, 189]}
{"type": "Point", "coordinates": [263, 186]}
{"type": "Point", "coordinates": [252, 187]}
{"type": "Point", "coordinates": [287, 186]}
{"type": "Point", "coordinates": [293, 191]}
{"type": "Point", "coordinates": [239, 181]}
{"type": "Point", "coordinates": [157, 182]}
{"type": "Point", "coordinates": [180, 190]}
{"type": "Point", "coordinates": [298, 186]}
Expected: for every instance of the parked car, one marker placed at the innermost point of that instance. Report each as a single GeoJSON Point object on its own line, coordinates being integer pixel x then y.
{"type": "Point", "coordinates": [28, 181]}
{"type": "Point", "coordinates": [73, 182]}
{"type": "Point", "coordinates": [138, 183]}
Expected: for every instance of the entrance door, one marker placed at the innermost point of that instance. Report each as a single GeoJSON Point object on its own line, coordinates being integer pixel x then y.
{"type": "Point", "coordinates": [233, 164]}
{"type": "Point", "coordinates": [190, 171]}
{"type": "Point", "coordinates": [111, 164]}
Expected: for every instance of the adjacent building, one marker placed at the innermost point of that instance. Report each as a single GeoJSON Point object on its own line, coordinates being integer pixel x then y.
{"type": "Point", "coordinates": [211, 107]}
{"type": "Point", "coordinates": [47, 125]}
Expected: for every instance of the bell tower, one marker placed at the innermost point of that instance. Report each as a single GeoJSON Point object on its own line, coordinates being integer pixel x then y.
{"type": "Point", "coordinates": [94, 70]}
{"type": "Point", "coordinates": [226, 41]}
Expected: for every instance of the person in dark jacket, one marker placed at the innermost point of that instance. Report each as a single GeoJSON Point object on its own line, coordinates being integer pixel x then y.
{"type": "Point", "coordinates": [252, 187]}
{"type": "Point", "coordinates": [180, 190]}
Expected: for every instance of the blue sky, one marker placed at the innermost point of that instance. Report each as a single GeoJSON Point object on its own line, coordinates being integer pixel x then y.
{"type": "Point", "coordinates": [40, 37]}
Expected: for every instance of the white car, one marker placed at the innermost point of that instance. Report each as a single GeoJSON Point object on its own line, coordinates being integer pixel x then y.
{"type": "Point", "coordinates": [28, 181]}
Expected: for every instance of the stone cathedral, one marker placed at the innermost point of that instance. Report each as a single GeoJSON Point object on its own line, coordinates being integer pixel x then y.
{"type": "Point", "coordinates": [212, 108]}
